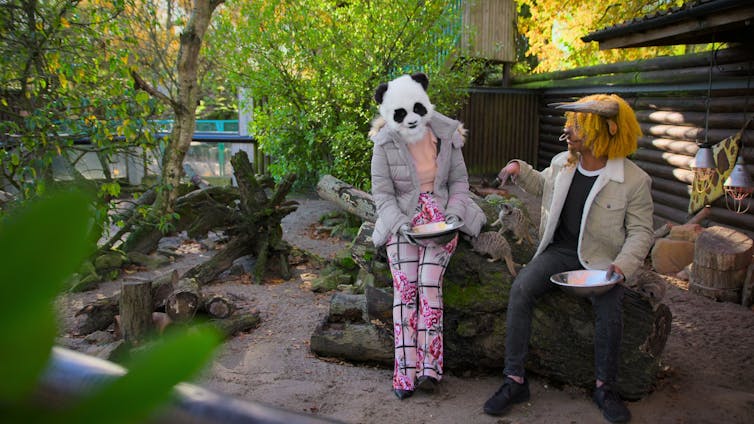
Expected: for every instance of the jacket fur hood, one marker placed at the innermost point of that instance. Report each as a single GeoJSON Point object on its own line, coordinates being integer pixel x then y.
{"type": "Point", "coordinates": [443, 127]}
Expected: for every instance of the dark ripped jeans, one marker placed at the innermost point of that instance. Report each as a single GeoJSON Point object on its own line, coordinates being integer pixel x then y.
{"type": "Point", "coordinates": [531, 283]}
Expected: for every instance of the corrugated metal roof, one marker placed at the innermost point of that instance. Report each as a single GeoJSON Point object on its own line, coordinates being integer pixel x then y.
{"type": "Point", "coordinates": [691, 11]}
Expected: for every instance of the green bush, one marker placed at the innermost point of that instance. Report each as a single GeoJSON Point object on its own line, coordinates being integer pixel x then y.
{"type": "Point", "coordinates": [312, 67]}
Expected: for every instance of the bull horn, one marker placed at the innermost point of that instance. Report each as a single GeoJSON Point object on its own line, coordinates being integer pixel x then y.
{"type": "Point", "coordinates": [604, 108]}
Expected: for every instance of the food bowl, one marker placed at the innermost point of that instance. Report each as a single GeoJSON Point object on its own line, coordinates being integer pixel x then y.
{"type": "Point", "coordinates": [437, 233]}
{"type": "Point", "coordinates": [585, 282]}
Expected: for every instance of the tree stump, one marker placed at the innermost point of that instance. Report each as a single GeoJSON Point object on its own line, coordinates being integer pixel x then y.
{"type": "Point", "coordinates": [135, 311]}
{"type": "Point", "coordinates": [721, 260]}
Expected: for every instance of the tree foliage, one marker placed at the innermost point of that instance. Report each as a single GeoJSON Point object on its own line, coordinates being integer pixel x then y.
{"type": "Point", "coordinates": [554, 29]}
{"type": "Point", "coordinates": [311, 67]}
{"type": "Point", "coordinates": [60, 81]}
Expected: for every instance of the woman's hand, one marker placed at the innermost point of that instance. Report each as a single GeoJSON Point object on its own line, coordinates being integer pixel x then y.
{"type": "Point", "coordinates": [510, 170]}
{"type": "Point", "coordinates": [405, 229]}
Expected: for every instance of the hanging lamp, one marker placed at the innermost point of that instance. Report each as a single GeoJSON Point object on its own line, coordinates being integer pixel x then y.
{"type": "Point", "coordinates": [704, 165]}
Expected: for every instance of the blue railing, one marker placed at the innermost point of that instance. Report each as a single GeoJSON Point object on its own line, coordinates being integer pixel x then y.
{"type": "Point", "coordinates": [202, 125]}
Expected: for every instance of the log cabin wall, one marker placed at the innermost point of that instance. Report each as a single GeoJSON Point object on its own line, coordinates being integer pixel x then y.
{"type": "Point", "coordinates": [669, 96]}
{"type": "Point", "coordinates": [502, 125]}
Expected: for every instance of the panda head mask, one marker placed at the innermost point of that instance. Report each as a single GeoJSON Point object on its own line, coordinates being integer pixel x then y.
{"type": "Point", "coordinates": [405, 106]}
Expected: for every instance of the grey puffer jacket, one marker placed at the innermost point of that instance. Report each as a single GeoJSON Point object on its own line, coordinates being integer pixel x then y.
{"type": "Point", "coordinates": [395, 186]}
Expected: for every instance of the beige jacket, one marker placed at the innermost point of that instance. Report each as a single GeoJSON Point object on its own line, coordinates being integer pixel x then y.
{"type": "Point", "coordinates": [616, 226]}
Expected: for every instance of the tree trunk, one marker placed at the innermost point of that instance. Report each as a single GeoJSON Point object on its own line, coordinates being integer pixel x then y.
{"type": "Point", "coordinates": [184, 107]}
{"type": "Point", "coordinates": [136, 311]}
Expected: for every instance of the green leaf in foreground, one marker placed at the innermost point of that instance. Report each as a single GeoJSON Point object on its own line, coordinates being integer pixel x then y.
{"type": "Point", "coordinates": [41, 245]}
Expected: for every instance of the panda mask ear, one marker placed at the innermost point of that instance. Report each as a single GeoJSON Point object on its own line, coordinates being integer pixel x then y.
{"type": "Point", "coordinates": [380, 93]}
{"type": "Point", "coordinates": [422, 79]}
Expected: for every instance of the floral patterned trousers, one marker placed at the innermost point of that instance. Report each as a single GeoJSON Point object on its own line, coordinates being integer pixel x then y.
{"type": "Point", "coordinates": [417, 300]}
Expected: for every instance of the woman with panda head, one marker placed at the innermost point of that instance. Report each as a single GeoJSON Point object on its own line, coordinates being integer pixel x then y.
{"type": "Point", "coordinates": [418, 177]}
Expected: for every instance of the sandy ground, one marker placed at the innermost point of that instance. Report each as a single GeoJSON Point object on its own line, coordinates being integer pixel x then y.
{"type": "Point", "coordinates": [707, 377]}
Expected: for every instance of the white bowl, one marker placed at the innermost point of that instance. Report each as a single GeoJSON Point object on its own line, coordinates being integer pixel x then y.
{"type": "Point", "coordinates": [585, 282]}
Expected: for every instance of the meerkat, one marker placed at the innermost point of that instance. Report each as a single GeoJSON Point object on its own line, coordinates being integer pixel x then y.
{"type": "Point", "coordinates": [511, 218]}
{"type": "Point", "coordinates": [493, 243]}
{"type": "Point", "coordinates": [650, 285]}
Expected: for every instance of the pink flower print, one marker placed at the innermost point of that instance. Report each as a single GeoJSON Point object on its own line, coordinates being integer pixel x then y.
{"type": "Point", "coordinates": [401, 381]}
{"type": "Point", "coordinates": [435, 347]}
{"type": "Point", "coordinates": [399, 279]}
{"type": "Point", "coordinates": [398, 331]}
{"type": "Point", "coordinates": [431, 316]}
{"type": "Point", "coordinates": [408, 292]}
{"type": "Point", "coordinates": [450, 246]}
{"type": "Point", "coordinates": [412, 322]}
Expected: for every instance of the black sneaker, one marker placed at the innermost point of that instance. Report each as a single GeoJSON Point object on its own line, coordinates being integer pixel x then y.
{"type": "Point", "coordinates": [403, 394]}
{"type": "Point", "coordinates": [426, 383]}
{"type": "Point", "coordinates": [508, 394]}
{"type": "Point", "coordinates": [611, 405]}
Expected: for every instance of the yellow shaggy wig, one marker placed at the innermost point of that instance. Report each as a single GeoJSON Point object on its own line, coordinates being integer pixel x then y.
{"type": "Point", "coordinates": [594, 128]}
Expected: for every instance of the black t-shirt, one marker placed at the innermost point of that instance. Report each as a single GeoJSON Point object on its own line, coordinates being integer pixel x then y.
{"type": "Point", "coordinates": [569, 225]}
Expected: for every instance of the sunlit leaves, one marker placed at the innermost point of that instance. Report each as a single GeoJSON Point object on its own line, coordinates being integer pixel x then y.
{"type": "Point", "coordinates": [553, 29]}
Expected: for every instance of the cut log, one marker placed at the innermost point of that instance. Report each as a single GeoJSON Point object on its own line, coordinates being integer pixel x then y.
{"type": "Point", "coordinates": [379, 304]}
{"type": "Point", "coordinates": [242, 322]}
{"type": "Point", "coordinates": [345, 340]}
{"type": "Point", "coordinates": [182, 304]}
{"type": "Point", "coordinates": [723, 249]}
{"type": "Point", "coordinates": [135, 311]}
{"type": "Point", "coordinates": [350, 198]}
{"type": "Point", "coordinates": [217, 306]}
{"type": "Point", "coordinates": [721, 260]}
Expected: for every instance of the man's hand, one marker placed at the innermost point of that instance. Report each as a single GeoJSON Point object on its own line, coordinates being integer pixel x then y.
{"type": "Point", "coordinates": [510, 170]}
{"type": "Point", "coordinates": [405, 229]}
{"type": "Point", "coordinates": [615, 269]}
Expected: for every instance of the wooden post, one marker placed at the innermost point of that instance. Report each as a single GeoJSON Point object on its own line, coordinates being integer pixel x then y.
{"type": "Point", "coordinates": [135, 311]}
